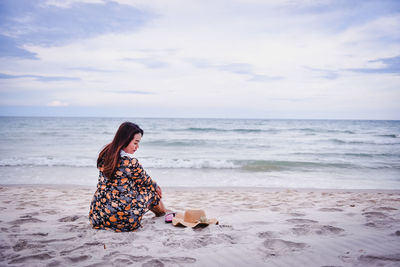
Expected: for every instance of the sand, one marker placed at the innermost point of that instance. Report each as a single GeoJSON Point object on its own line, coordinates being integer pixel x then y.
{"type": "Point", "coordinates": [47, 225]}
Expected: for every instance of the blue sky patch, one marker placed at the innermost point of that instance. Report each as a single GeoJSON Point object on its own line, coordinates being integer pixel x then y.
{"type": "Point", "coordinates": [39, 77]}
{"type": "Point", "coordinates": [392, 66]}
{"type": "Point", "coordinates": [29, 22]}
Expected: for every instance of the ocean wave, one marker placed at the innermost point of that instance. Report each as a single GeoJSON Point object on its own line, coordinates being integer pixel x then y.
{"type": "Point", "coordinates": [388, 135]}
{"type": "Point", "coordinates": [217, 164]}
{"type": "Point", "coordinates": [354, 142]}
{"type": "Point", "coordinates": [255, 130]}
{"type": "Point", "coordinates": [319, 130]}
{"type": "Point", "coordinates": [340, 155]}
{"type": "Point", "coordinates": [181, 142]}
{"type": "Point", "coordinates": [239, 130]}
{"type": "Point", "coordinates": [247, 165]}
{"type": "Point", "coordinates": [188, 163]}
{"type": "Point", "coordinates": [58, 134]}
{"type": "Point", "coordinates": [48, 162]}
{"type": "Point", "coordinates": [340, 141]}
{"type": "Point", "coordinates": [277, 165]}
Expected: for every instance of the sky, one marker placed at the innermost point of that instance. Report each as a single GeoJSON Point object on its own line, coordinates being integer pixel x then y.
{"type": "Point", "coordinates": [325, 59]}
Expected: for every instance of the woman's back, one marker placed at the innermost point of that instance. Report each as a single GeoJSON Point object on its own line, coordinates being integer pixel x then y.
{"type": "Point", "coordinates": [120, 202]}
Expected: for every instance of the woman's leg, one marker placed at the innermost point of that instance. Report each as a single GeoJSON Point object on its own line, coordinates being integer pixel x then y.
{"type": "Point", "coordinates": [159, 210]}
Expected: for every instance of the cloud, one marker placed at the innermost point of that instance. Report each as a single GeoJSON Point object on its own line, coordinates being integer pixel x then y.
{"type": "Point", "coordinates": [10, 48]}
{"type": "Point", "coordinates": [39, 77]}
{"type": "Point", "coordinates": [236, 68]}
{"type": "Point", "coordinates": [148, 62]}
{"type": "Point", "coordinates": [69, 3]}
{"type": "Point", "coordinates": [57, 103]}
{"type": "Point", "coordinates": [264, 78]}
{"type": "Point", "coordinates": [391, 65]}
{"type": "Point", "coordinates": [324, 73]}
{"type": "Point", "coordinates": [203, 55]}
{"type": "Point", "coordinates": [90, 69]}
{"type": "Point", "coordinates": [129, 92]}
{"type": "Point", "coordinates": [48, 23]}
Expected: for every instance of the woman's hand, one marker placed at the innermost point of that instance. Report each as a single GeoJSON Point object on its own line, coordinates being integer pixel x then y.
{"type": "Point", "coordinates": [159, 191]}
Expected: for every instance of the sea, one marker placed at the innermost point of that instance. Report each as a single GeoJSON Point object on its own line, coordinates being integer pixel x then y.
{"type": "Point", "coordinates": [176, 152]}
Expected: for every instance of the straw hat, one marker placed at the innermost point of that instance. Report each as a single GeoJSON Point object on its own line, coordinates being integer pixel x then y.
{"type": "Point", "coordinates": [192, 218]}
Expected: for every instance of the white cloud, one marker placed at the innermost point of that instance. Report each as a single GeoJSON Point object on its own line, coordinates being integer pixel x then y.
{"type": "Point", "coordinates": [204, 54]}
{"type": "Point", "coordinates": [57, 103]}
{"type": "Point", "coordinates": [68, 3]}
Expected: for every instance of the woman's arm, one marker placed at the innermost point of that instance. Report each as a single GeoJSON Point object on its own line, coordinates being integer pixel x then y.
{"type": "Point", "coordinates": [159, 192]}
{"type": "Point", "coordinates": [143, 176]}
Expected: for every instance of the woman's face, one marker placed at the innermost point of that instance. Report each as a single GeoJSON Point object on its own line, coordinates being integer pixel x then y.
{"type": "Point", "coordinates": [134, 144]}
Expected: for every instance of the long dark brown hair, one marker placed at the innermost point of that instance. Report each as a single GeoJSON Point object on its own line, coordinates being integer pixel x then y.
{"type": "Point", "coordinates": [108, 157]}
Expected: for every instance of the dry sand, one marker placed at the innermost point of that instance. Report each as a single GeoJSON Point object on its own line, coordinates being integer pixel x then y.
{"type": "Point", "coordinates": [48, 226]}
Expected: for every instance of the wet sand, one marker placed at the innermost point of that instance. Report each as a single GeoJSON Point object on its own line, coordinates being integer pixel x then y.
{"type": "Point", "coordinates": [47, 225]}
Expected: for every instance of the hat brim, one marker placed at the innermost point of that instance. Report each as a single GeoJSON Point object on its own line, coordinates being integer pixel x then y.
{"type": "Point", "coordinates": [178, 220]}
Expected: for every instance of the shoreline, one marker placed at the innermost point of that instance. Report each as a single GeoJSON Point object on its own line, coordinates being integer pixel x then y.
{"type": "Point", "coordinates": [225, 188]}
{"type": "Point", "coordinates": [47, 225]}
{"type": "Point", "coordinates": [205, 178]}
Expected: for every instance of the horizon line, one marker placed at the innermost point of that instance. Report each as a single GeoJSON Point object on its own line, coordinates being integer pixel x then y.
{"type": "Point", "coordinates": [199, 118]}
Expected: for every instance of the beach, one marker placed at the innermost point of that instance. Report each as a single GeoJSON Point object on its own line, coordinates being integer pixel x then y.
{"type": "Point", "coordinates": [285, 192]}
{"type": "Point", "coordinates": [47, 225]}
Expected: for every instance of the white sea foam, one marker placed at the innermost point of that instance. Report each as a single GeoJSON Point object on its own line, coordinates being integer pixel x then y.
{"type": "Point", "coordinates": [47, 161]}
{"type": "Point", "coordinates": [188, 164]}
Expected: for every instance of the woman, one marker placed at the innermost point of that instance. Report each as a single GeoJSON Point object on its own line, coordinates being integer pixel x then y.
{"type": "Point", "coordinates": [124, 192]}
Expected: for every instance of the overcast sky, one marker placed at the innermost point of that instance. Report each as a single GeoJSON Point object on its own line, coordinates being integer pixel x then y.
{"type": "Point", "coordinates": [239, 58]}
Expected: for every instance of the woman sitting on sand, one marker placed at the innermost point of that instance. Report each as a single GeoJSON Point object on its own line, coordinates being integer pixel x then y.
{"type": "Point", "coordinates": [124, 192]}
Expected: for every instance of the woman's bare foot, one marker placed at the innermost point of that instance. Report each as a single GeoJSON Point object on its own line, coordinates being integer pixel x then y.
{"type": "Point", "coordinates": [159, 210]}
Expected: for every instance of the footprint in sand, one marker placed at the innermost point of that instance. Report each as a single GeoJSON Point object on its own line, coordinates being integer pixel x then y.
{"type": "Point", "coordinates": [28, 259]}
{"type": "Point", "coordinates": [23, 244]}
{"type": "Point", "coordinates": [119, 257]}
{"type": "Point", "coordinates": [386, 208]}
{"type": "Point", "coordinates": [380, 260]}
{"type": "Point", "coordinates": [29, 215]}
{"type": "Point", "coordinates": [69, 218]}
{"type": "Point", "coordinates": [25, 220]}
{"type": "Point", "coordinates": [201, 241]}
{"type": "Point", "coordinates": [53, 264]}
{"type": "Point", "coordinates": [280, 246]}
{"type": "Point", "coordinates": [375, 215]}
{"type": "Point", "coordinates": [174, 261]}
{"type": "Point", "coordinates": [153, 263]}
{"type": "Point", "coordinates": [79, 258]}
{"type": "Point", "coordinates": [329, 229]}
{"type": "Point", "coordinates": [330, 209]}
{"type": "Point", "coordinates": [297, 214]}
{"type": "Point", "coordinates": [84, 247]}
{"type": "Point", "coordinates": [50, 212]}
{"type": "Point", "coordinates": [301, 230]}
{"type": "Point", "coordinates": [306, 205]}
{"type": "Point", "coordinates": [122, 262]}
{"type": "Point", "coordinates": [301, 221]}
{"type": "Point", "coordinates": [267, 234]}
{"type": "Point", "coordinates": [371, 224]}
{"type": "Point", "coordinates": [56, 240]}
{"type": "Point", "coordinates": [40, 234]}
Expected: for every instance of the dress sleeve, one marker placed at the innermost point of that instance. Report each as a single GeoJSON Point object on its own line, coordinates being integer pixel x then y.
{"type": "Point", "coordinates": [142, 174]}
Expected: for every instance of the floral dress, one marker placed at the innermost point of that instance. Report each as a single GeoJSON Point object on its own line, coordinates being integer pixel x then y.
{"type": "Point", "coordinates": [120, 203]}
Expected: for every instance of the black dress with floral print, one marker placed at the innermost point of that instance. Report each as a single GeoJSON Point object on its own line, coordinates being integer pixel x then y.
{"type": "Point", "coordinates": [120, 203]}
